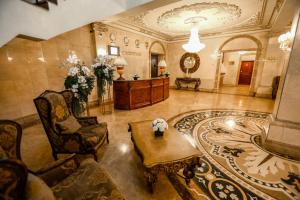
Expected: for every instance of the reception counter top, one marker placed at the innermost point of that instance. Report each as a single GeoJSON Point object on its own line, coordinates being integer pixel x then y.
{"type": "Point", "coordinates": [132, 94]}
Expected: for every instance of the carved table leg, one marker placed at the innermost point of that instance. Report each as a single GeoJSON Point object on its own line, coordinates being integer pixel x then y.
{"type": "Point", "coordinates": [188, 173]}
{"type": "Point", "coordinates": [151, 178]}
{"type": "Point", "coordinates": [189, 170]}
{"type": "Point", "coordinates": [178, 86]}
{"type": "Point", "coordinates": [197, 86]}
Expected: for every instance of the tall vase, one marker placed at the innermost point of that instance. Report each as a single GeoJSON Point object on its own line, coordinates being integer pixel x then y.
{"type": "Point", "coordinates": [79, 107]}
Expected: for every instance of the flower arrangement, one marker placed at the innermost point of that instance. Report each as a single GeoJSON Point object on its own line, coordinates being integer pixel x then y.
{"type": "Point", "coordinates": [167, 74]}
{"type": "Point", "coordinates": [103, 70]}
{"type": "Point", "coordinates": [79, 80]}
{"type": "Point", "coordinates": [135, 77]}
{"type": "Point", "coordinates": [159, 126]}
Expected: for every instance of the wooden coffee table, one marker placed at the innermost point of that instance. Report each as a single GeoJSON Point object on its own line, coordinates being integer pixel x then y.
{"type": "Point", "coordinates": [168, 153]}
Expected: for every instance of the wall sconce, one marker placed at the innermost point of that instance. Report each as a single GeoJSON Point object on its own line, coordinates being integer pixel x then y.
{"type": "Point", "coordinates": [285, 41]}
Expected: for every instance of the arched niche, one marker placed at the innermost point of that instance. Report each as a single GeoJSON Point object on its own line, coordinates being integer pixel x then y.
{"type": "Point", "coordinates": [158, 48]}
{"type": "Point", "coordinates": [240, 43]}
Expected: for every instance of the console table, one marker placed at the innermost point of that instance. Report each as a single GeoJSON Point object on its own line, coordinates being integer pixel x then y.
{"type": "Point", "coordinates": [196, 81]}
{"type": "Point", "coordinates": [163, 153]}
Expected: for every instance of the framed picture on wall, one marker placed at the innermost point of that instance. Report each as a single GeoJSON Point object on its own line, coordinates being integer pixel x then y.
{"type": "Point", "coordinates": [113, 50]}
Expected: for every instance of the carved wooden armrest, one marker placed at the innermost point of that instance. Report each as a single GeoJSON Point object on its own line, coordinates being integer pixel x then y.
{"type": "Point", "coordinates": [58, 170]}
{"type": "Point", "coordinates": [13, 176]}
{"type": "Point", "coordinates": [87, 121]}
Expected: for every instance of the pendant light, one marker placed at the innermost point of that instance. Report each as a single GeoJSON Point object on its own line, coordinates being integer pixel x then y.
{"type": "Point", "coordinates": [194, 45]}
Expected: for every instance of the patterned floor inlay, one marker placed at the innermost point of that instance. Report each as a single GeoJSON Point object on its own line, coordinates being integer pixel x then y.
{"type": "Point", "coordinates": [235, 165]}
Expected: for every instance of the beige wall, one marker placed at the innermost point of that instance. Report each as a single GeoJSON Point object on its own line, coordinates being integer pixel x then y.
{"type": "Point", "coordinates": [138, 58]}
{"type": "Point", "coordinates": [231, 63]}
{"type": "Point", "coordinates": [23, 76]}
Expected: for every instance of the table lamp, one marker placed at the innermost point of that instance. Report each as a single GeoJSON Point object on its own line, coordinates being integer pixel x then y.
{"type": "Point", "coordinates": [162, 66]}
{"type": "Point", "coordinates": [120, 62]}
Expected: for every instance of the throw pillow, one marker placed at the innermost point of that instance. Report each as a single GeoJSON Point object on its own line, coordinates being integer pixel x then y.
{"type": "Point", "coordinates": [70, 125]}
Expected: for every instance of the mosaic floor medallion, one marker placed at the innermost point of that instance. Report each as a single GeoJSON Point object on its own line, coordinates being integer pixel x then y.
{"type": "Point", "coordinates": [235, 165]}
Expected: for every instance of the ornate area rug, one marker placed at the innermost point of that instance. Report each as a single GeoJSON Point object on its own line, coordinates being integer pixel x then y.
{"type": "Point", "coordinates": [235, 165]}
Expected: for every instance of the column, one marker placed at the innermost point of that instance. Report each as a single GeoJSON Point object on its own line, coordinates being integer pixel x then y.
{"type": "Point", "coordinates": [283, 135]}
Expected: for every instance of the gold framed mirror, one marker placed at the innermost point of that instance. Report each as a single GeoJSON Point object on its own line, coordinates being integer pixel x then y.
{"type": "Point", "coordinates": [189, 62]}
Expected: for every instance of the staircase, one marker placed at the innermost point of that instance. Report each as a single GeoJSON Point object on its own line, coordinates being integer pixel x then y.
{"type": "Point", "coordinates": [44, 19]}
{"type": "Point", "coordinates": [41, 3]}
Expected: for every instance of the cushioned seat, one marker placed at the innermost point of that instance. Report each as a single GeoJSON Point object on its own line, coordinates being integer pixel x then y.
{"type": "Point", "coordinates": [89, 181]}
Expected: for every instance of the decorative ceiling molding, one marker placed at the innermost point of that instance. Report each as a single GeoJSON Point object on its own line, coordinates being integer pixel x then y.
{"type": "Point", "coordinates": [215, 17]}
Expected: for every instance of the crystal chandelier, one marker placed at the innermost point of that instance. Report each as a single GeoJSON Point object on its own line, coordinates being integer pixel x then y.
{"type": "Point", "coordinates": [194, 45]}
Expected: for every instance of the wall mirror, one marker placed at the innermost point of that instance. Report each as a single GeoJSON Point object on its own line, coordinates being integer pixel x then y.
{"type": "Point", "coordinates": [189, 62]}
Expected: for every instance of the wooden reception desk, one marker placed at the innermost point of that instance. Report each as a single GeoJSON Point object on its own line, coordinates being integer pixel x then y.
{"type": "Point", "coordinates": [131, 94]}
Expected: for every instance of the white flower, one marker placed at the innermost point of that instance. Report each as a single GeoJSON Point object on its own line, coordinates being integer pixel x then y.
{"type": "Point", "coordinates": [81, 79]}
{"type": "Point", "coordinates": [73, 59]}
{"type": "Point", "coordinates": [159, 125]}
{"type": "Point", "coordinates": [84, 85]}
{"type": "Point", "coordinates": [86, 70]}
{"type": "Point", "coordinates": [75, 86]}
{"type": "Point", "coordinates": [73, 71]}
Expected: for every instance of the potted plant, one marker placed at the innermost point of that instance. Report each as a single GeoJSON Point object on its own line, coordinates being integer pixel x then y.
{"type": "Point", "coordinates": [167, 74]}
{"type": "Point", "coordinates": [135, 77]}
{"type": "Point", "coordinates": [104, 72]}
{"type": "Point", "coordinates": [80, 81]}
{"type": "Point", "coordinates": [159, 126]}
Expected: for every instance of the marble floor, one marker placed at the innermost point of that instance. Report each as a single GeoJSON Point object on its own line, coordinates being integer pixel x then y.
{"type": "Point", "coordinates": [237, 90]}
{"type": "Point", "coordinates": [119, 158]}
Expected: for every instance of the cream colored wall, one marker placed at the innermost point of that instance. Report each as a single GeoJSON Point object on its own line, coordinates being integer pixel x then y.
{"type": "Point", "coordinates": [138, 59]}
{"type": "Point", "coordinates": [23, 76]}
{"type": "Point", "coordinates": [208, 63]}
{"type": "Point", "coordinates": [231, 68]}
{"type": "Point", "coordinates": [273, 64]}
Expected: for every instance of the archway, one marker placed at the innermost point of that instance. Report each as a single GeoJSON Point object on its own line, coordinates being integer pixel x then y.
{"type": "Point", "coordinates": [256, 47]}
{"type": "Point", "coordinates": [156, 49]}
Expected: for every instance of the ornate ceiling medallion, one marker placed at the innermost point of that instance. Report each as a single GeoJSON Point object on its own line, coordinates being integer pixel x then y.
{"type": "Point", "coordinates": [215, 14]}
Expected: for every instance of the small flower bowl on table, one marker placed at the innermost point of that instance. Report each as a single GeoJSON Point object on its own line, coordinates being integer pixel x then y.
{"type": "Point", "coordinates": [159, 125]}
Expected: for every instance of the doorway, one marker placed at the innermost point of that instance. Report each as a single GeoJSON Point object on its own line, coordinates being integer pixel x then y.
{"type": "Point", "coordinates": [236, 72]}
{"type": "Point", "coordinates": [154, 65]}
{"type": "Point", "coordinates": [246, 72]}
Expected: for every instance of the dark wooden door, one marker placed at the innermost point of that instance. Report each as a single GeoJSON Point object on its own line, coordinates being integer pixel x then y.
{"type": "Point", "coordinates": [246, 72]}
{"type": "Point", "coordinates": [154, 67]}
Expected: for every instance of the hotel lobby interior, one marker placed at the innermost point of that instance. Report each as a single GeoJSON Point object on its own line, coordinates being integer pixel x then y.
{"type": "Point", "coordinates": [149, 99]}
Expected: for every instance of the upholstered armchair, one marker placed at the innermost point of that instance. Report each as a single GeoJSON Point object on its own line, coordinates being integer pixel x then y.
{"type": "Point", "coordinates": [66, 178]}
{"type": "Point", "coordinates": [10, 139]}
{"type": "Point", "coordinates": [67, 132]}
